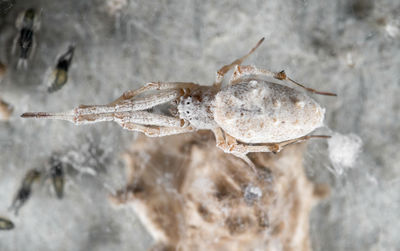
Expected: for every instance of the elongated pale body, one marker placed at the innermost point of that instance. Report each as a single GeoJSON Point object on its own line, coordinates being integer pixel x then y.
{"type": "Point", "coordinates": [249, 114]}
{"type": "Point", "coordinates": [254, 111]}
{"type": "Point", "coordinates": [259, 111]}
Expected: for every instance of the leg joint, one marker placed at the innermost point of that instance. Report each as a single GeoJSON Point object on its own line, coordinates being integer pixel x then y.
{"type": "Point", "coordinates": [280, 75]}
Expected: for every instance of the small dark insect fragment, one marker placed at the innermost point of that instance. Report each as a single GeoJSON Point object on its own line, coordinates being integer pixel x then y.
{"type": "Point", "coordinates": [25, 190]}
{"type": "Point", "coordinates": [6, 224]}
{"type": "Point", "coordinates": [57, 176]}
{"type": "Point", "coordinates": [59, 75]}
{"type": "Point", "coordinates": [27, 23]}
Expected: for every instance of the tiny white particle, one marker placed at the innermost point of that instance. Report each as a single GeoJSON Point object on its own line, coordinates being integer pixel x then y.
{"type": "Point", "coordinates": [252, 194]}
{"type": "Point", "coordinates": [300, 104]}
{"type": "Point", "coordinates": [253, 82]}
{"type": "Point", "coordinates": [392, 30]}
{"type": "Point", "coordinates": [344, 150]}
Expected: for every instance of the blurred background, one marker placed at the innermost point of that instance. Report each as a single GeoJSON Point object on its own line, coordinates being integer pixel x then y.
{"type": "Point", "coordinates": [350, 47]}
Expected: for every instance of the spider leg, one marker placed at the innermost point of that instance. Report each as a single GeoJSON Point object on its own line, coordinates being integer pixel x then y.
{"type": "Point", "coordinates": [230, 145]}
{"type": "Point", "coordinates": [85, 114]}
{"type": "Point", "coordinates": [149, 119]}
{"type": "Point", "coordinates": [248, 70]}
{"type": "Point", "coordinates": [142, 103]}
{"type": "Point", "coordinates": [225, 145]}
{"type": "Point", "coordinates": [273, 147]}
{"type": "Point", "coordinates": [224, 69]}
{"type": "Point", "coordinates": [156, 131]}
{"type": "Point", "coordinates": [154, 86]}
{"type": "Point", "coordinates": [153, 125]}
{"type": "Point", "coordinates": [268, 147]}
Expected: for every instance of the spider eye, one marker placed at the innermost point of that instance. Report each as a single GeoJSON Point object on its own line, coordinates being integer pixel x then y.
{"type": "Point", "coordinates": [188, 103]}
{"type": "Point", "coordinates": [187, 112]}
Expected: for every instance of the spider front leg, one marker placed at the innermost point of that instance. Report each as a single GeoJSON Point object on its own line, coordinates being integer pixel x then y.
{"type": "Point", "coordinates": [156, 131]}
{"type": "Point", "coordinates": [141, 103]}
{"type": "Point", "coordinates": [152, 125]}
{"type": "Point", "coordinates": [130, 114]}
{"type": "Point", "coordinates": [224, 69]}
{"type": "Point", "coordinates": [149, 119]}
{"type": "Point", "coordinates": [248, 70]}
{"type": "Point", "coordinates": [85, 114]}
{"type": "Point", "coordinates": [154, 86]}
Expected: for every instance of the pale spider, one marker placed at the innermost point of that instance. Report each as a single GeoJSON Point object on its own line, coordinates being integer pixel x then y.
{"type": "Point", "coordinates": [248, 115]}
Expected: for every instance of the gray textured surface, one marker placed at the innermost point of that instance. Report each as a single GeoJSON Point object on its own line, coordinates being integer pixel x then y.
{"type": "Point", "coordinates": [340, 46]}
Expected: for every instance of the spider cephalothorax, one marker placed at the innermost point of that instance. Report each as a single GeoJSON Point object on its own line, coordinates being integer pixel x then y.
{"type": "Point", "coordinates": [198, 108]}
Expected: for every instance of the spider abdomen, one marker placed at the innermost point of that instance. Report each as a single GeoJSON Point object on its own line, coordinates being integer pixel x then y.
{"type": "Point", "coordinates": [257, 111]}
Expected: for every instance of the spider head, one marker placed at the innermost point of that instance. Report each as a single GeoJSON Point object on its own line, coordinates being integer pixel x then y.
{"type": "Point", "coordinates": [197, 108]}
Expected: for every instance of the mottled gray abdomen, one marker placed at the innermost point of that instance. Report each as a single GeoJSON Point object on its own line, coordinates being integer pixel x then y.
{"type": "Point", "coordinates": [263, 112]}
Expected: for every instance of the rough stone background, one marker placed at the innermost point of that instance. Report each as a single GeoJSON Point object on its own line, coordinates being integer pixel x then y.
{"type": "Point", "coordinates": [349, 47]}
